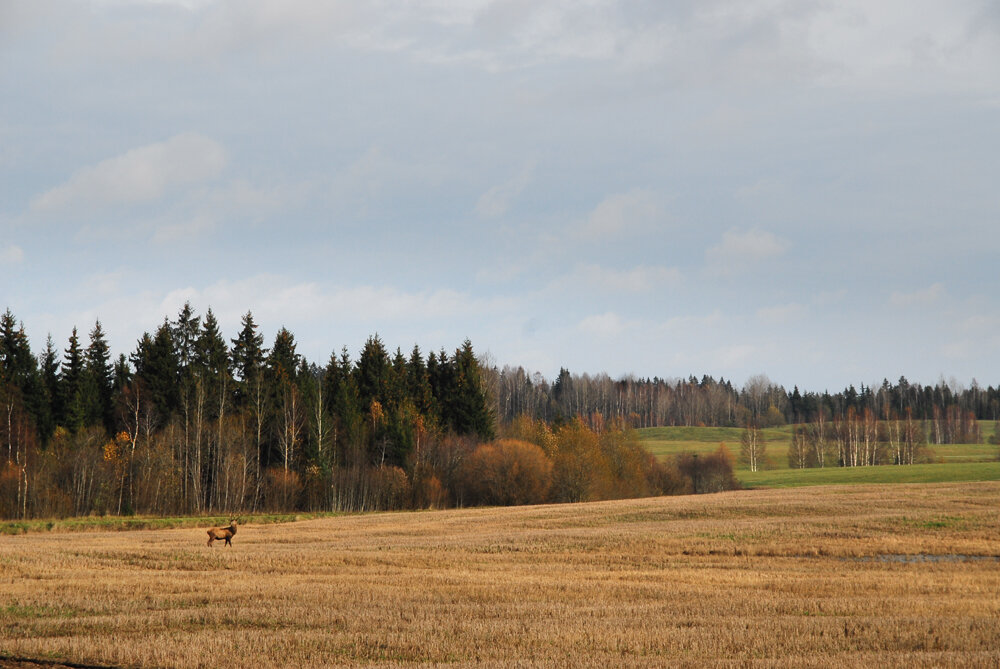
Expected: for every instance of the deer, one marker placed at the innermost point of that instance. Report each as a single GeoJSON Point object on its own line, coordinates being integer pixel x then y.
{"type": "Point", "coordinates": [223, 533]}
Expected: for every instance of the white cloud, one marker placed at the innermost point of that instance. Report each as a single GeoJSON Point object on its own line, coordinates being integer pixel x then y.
{"type": "Point", "coordinates": [608, 324]}
{"type": "Point", "coordinates": [739, 251]}
{"type": "Point", "coordinates": [204, 210]}
{"type": "Point", "coordinates": [782, 313]}
{"type": "Point", "coordinates": [733, 42]}
{"type": "Point", "coordinates": [11, 254]}
{"type": "Point", "coordinates": [638, 279]}
{"type": "Point", "coordinates": [735, 355]}
{"type": "Point", "coordinates": [697, 325]}
{"type": "Point", "coordinates": [184, 231]}
{"type": "Point", "coordinates": [622, 213]}
{"type": "Point", "coordinates": [829, 297]}
{"type": "Point", "coordinates": [142, 174]}
{"type": "Point", "coordinates": [926, 296]}
{"type": "Point", "coordinates": [276, 298]}
{"type": "Point", "coordinates": [497, 200]}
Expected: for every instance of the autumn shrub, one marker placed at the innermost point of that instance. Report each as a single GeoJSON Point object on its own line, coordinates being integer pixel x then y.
{"type": "Point", "coordinates": [507, 472]}
{"type": "Point", "coordinates": [629, 464]}
{"type": "Point", "coordinates": [10, 483]}
{"type": "Point", "coordinates": [443, 456]}
{"type": "Point", "coordinates": [708, 472]}
{"type": "Point", "coordinates": [580, 472]}
{"type": "Point", "coordinates": [666, 479]}
{"type": "Point", "coordinates": [392, 487]}
{"type": "Point", "coordinates": [282, 489]}
{"type": "Point", "coordinates": [316, 489]}
{"type": "Point", "coordinates": [532, 430]}
{"type": "Point", "coordinates": [426, 490]}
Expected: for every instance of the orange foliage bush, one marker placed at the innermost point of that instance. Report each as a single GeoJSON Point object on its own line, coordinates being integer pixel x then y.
{"type": "Point", "coordinates": [283, 488]}
{"type": "Point", "coordinates": [507, 472]}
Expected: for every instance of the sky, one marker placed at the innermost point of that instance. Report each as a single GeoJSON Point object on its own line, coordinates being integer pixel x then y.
{"type": "Point", "coordinates": [806, 190]}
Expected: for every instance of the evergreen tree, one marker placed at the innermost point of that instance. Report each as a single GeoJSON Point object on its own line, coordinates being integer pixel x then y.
{"type": "Point", "coordinates": [372, 374]}
{"type": "Point", "coordinates": [159, 369]}
{"type": "Point", "coordinates": [72, 413]}
{"type": "Point", "coordinates": [248, 352]}
{"type": "Point", "coordinates": [211, 353]}
{"type": "Point", "coordinates": [283, 361]}
{"type": "Point", "coordinates": [186, 330]}
{"type": "Point", "coordinates": [49, 364]}
{"type": "Point", "coordinates": [97, 364]}
{"type": "Point", "coordinates": [466, 406]}
{"type": "Point", "coordinates": [288, 410]}
{"type": "Point", "coordinates": [342, 393]}
{"type": "Point", "coordinates": [419, 386]}
{"type": "Point", "coordinates": [20, 381]}
{"type": "Point", "coordinates": [212, 374]}
{"type": "Point", "coordinates": [397, 391]}
{"type": "Point", "coordinates": [122, 374]}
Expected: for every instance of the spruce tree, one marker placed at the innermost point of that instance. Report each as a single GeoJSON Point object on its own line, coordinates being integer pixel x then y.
{"type": "Point", "coordinates": [49, 364]}
{"type": "Point", "coordinates": [248, 351]}
{"type": "Point", "coordinates": [160, 370]}
{"type": "Point", "coordinates": [283, 361]}
{"type": "Point", "coordinates": [469, 412]}
{"type": "Point", "coordinates": [372, 374]}
{"type": "Point", "coordinates": [20, 382]}
{"type": "Point", "coordinates": [211, 353]}
{"type": "Point", "coordinates": [97, 364]}
{"type": "Point", "coordinates": [342, 394]}
{"type": "Point", "coordinates": [419, 386]}
{"type": "Point", "coordinates": [71, 412]}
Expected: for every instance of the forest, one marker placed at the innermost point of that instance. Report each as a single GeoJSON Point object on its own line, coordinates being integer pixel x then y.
{"type": "Point", "coordinates": [190, 422]}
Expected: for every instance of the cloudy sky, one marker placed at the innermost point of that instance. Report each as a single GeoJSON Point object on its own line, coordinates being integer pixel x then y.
{"type": "Point", "coordinates": [808, 190]}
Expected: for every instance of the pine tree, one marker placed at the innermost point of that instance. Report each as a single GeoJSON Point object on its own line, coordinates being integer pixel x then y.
{"type": "Point", "coordinates": [342, 393]}
{"type": "Point", "coordinates": [419, 386]}
{"type": "Point", "coordinates": [247, 358]}
{"type": "Point", "coordinates": [248, 351]}
{"type": "Point", "coordinates": [372, 374]}
{"type": "Point", "coordinates": [97, 365]}
{"type": "Point", "coordinates": [49, 364]}
{"type": "Point", "coordinates": [20, 382]}
{"type": "Point", "coordinates": [159, 369]}
{"type": "Point", "coordinates": [122, 374]}
{"type": "Point", "coordinates": [283, 361]}
{"type": "Point", "coordinates": [185, 331]}
{"type": "Point", "coordinates": [466, 407]}
{"type": "Point", "coordinates": [287, 406]}
{"type": "Point", "coordinates": [71, 410]}
{"type": "Point", "coordinates": [211, 353]}
{"type": "Point", "coordinates": [212, 373]}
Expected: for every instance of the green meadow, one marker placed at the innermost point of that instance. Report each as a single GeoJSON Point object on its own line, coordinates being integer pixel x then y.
{"type": "Point", "coordinates": [950, 462]}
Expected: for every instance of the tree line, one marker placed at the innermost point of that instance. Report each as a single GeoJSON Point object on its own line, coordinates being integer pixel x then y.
{"type": "Point", "coordinates": [947, 413]}
{"type": "Point", "coordinates": [191, 423]}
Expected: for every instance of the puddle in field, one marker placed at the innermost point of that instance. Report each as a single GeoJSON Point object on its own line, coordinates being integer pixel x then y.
{"type": "Point", "coordinates": [928, 557]}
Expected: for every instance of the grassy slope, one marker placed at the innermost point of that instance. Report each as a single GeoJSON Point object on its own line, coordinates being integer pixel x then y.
{"type": "Point", "coordinates": [927, 473]}
{"type": "Point", "coordinates": [953, 462]}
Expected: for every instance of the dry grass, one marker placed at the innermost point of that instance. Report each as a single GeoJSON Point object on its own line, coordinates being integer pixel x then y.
{"type": "Point", "coordinates": [769, 577]}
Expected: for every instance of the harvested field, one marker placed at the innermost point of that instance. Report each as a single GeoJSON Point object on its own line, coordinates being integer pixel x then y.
{"type": "Point", "coordinates": [890, 576]}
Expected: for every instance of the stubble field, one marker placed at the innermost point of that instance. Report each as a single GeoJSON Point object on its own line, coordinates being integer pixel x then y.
{"type": "Point", "coordinates": [890, 576]}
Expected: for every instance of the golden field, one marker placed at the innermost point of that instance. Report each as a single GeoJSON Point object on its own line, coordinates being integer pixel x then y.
{"type": "Point", "coordinates": [888, 576]}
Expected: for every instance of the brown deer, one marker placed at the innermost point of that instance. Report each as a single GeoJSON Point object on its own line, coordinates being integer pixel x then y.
{"type": "Point", "coordinates": [223, 533]}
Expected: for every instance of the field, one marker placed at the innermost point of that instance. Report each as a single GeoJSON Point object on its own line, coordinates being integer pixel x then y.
{"type": "Point", "coordinates": [888, 576]}
{"type": "Point", "coordinates": [951, 462]}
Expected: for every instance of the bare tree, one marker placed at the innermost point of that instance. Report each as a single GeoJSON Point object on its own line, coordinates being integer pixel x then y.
{"type": "Point", "coordinates": [752, 447]}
